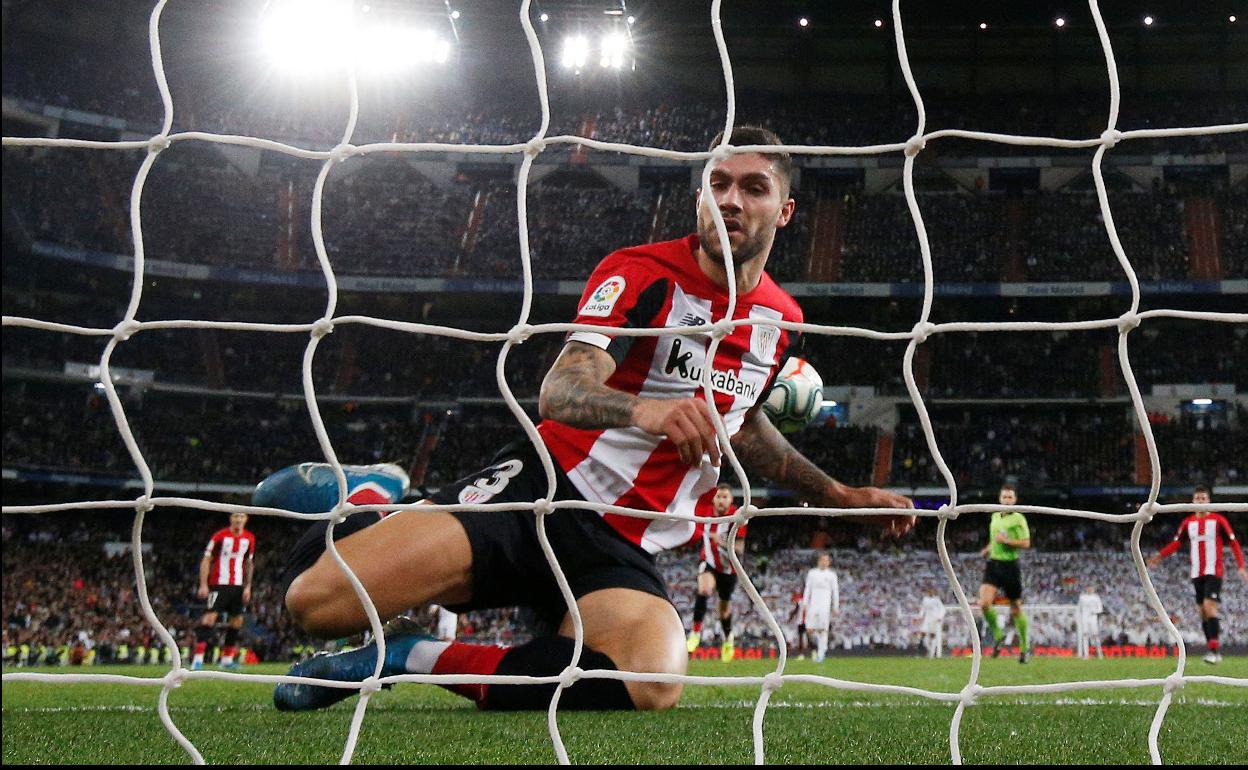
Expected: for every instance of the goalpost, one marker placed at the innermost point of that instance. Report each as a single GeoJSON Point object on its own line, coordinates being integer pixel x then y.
{"type": "Point", "coordinates": [316, 329]}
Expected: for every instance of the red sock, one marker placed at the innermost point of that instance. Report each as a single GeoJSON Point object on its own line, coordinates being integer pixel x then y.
{"type": "Point", "coordinates": [229, 651]}
{"type": "Point", "coordinates": [201, 648]}
{"type": "Point", "coordinates": [697, 627]}
{"type": "Point", "coordinates": [1213, 645]}
{"type": "Point", "coordinates": [461, 658]}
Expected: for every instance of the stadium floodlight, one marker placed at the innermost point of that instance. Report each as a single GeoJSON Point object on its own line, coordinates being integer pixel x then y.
{"type": "Point", "coordinates": [805, 22]}
{"type": "Point", "coordinates": [305, 37]}
{"type": "Point", "coordinates": [613, 50]}
{"type": "Point", "coordinates": [1059, 22]}
{"type": "Point", "coordinates": [983, 25]}
{"type": "Point", "coordinates": [1202, 402]}
{"type": "Point", "coordinates": [1232, 18]}
{"type": "Point", "coordinates": [1148, 21]}
{"type": "Point", "coordinates": [544, 17]}
{"type": "Point", "coordinates": [633, 20]}
{"type": "Point", "coordinates": [879, 23]}
{"type": "Point", "coordinates": [454, 14]}
{"type": "Point", "coordinates": [575, 52]}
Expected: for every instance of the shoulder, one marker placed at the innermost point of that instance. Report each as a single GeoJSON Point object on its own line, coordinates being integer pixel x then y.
{"type": "Point", "coordinates": [769, 293]}
{"type": "Point", "coordinates": [220, 533]}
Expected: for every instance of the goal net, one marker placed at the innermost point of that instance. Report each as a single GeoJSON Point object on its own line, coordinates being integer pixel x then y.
{"type": "Point", "coordinates": [923, 329]}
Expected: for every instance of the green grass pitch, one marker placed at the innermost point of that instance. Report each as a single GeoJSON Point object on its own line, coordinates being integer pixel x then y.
{"type": "Point", "coordinates": [415, 724]}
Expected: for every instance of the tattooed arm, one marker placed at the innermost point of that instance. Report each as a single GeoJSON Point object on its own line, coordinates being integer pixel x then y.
{"type": "Point", "coordinates": [575, 394]}
{"type": "Point", "coordinates": [761, 446]}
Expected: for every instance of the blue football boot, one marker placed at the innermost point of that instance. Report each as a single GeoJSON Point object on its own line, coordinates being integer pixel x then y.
{"type": "Point", "coordinates": [351, 666]}
{"type": "Point", "coordinates": [312, 488]}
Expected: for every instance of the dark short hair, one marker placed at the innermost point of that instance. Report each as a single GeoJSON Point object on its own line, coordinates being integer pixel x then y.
{"type": "Point", "coordinates": [1200, 488]}
{"type": "Point", "coordinates": [724, 485]}
{"type": "Point", "coordinates": [1009, 486]}
{"type": "Point", "coordinates": [743, 135]}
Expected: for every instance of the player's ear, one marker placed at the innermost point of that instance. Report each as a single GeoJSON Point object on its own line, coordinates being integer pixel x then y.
{"type": "Point", "coordinates": [786, 212]}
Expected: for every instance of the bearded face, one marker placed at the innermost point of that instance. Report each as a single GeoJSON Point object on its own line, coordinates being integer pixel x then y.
{"type": "Point", "coordinates": [753, 200]}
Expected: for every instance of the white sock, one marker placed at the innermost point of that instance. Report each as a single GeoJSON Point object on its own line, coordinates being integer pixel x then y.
{"type": "Point", "coordinates": [821, 643]}
{"type": "Point", "coordinates": [227, 660]}
{"type": "Point", "coordinates": [197, 661]}
{"type": "Point", "coordinates": [424, 655]}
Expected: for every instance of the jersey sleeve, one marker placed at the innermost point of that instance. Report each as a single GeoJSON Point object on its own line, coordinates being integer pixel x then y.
{"type": "Point", "coordinates": [212, 544]}
{"type": "Point", "coordinates": [1173, 545]}
{"type": "Point", "coordinates": [626, 291]}
{"type": "Point", "coordinates": [1021, 529]}
{"type": "Point", "coordinates": [1232, 540]}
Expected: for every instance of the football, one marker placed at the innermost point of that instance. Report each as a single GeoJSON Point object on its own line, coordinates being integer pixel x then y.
{"type": "Point", "coordinates": [795, 397]}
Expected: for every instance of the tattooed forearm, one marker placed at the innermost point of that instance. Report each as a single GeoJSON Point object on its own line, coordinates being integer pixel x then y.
{"type": "Point", "coordinates": [573, 393]}
{"type": "Point", "coordinates": [762, 447]}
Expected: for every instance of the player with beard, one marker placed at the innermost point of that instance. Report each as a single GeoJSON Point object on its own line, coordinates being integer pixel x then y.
{"type": "Point", "coordinates": [626, 421]}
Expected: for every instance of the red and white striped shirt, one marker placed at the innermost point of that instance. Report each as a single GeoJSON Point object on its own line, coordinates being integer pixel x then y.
{"type": "Point", "coordinates": [714, 552]}
{"type": "Point", "coordinates": [651, 286]}
{"type": "Point", "coordinates": [228, 551]}
{"type": "Point", "coordinates": [1205, 535]}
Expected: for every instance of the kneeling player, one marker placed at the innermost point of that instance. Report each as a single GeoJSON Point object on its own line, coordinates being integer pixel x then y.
{"type": "Point", "coordinates": [715, 572]}
{"type": "Point", "coordinates": [611, 445]}
{"type": "Point", "coordinates": [1204, 530]}
{"type": "Point", "coordinates": [225, 583]}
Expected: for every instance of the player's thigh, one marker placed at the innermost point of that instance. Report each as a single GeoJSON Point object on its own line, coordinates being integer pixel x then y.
{"type": "Point", "coordinates": [706, 583]}
{"type": "Point", "coordinates": [208, 619]}
{"type": "Point", "coordinates": [407, 559]}
{"type": "Point", "coordinates": [640, 632]}
{"type": "Point", "coordinates": [1209, 608]}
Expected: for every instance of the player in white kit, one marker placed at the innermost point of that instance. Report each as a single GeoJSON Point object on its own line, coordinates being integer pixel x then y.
{"type": "Point", "coordinates": [933, 617]}
{"type": "Point", "coordinates": [821, 600]}
{"type": "Point", "coordinates": [447, 622]}
{"type": "Point", "coordinates": [1090, 609]}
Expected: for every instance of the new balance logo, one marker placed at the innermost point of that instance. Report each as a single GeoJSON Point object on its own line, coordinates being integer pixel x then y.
{"type": "Point", "coordinates": [691, 319]}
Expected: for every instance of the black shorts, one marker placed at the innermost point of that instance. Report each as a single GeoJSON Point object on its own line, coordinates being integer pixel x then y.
{"type": "Point", "coordinates": [509, 568]}
{"type": "Point", "coordinates": [725, 582]}
{"type": "Point", "coordinates": [1208, 587]}
{"type": "Point", "coordinates": [226, 599]}
{"type": "Point", "coordinates": [1006, 577]}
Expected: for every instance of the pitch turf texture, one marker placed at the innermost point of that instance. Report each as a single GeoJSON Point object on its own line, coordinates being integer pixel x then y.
{"type": "Point", "coordinates": [418, 724]}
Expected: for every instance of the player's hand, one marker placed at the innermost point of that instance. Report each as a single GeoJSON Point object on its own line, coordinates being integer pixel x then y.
{"type": "Point", "coordinates": [1153, 561]}
{"type": "Point", "coordinates": [895, 525]}
{"type": "Point", "coordinates": [202, 592]}
{"type": "Point", "coordinates": [686, 421]}
{"type": "Point", "coordinates": [246, 594]}
{"type": "Point", "coordinates": [1243, 573]}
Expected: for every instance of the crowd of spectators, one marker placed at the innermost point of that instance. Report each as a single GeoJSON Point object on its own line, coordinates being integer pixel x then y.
{"type": "Point", "coordinates": [382, 216]}
{"type": "Point", "coordinates": [69, 591]}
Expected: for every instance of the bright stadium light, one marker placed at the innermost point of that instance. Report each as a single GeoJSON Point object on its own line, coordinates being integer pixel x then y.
{"type": "Point", "coordinates": [1148, 21]}
{"type": "Point", "coordinates": [983, 25]}
{"type": "Point", "coordinates": [1059, 22]}
{"type": "Point", "coordinates": [1202, 402]}
{"type": "Point", "coordinates": [454, 14]}
{"type": "Point", "coordinates": [633, 20]}
{"type": "Point", "coordinates": [311, 36]}
{"type": "Point", "coordinates": [575, 52]}
{"type": "Point", "coordinates": [1232, 18]}
{"type": "Point", "coordinates": [544, 17]}
{"type": "Point", "coordinates": [879, 23]}
{"type": "Point", "coordinates": [805, 22]}
{"type": "Point", "coordinates": [613, 50]}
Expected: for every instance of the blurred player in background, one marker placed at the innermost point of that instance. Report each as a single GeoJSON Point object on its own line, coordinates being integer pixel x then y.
{"type": "Point", "coordinates": [821, 599]}
{"type": "Point", "coordinates": [1090, 609]}
{"type": "Point", "coordinates": [715, 571]}
{"type": "Point", "coordinates": [225, 582]}
{"type": "Point", "coordinates": [932, 617]}
{"type": "Point", "coordinates": [798, 613]}
{"type": "Point", "coordinates": [447, 623]}
{"type": "Point", "coordinates": [1204, 531]}
{"type": "Point", "coordinates": [1007, 535]}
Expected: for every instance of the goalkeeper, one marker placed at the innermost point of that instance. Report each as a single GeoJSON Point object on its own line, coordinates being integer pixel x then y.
{"type": "Point", "coordinates": [611, 445]}
{"type": "Point", "coordinates": [1007, 535]}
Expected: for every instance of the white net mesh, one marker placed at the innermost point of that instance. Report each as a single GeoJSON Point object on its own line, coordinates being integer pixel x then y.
{"type": "Point", "coordinates": [923, 328]}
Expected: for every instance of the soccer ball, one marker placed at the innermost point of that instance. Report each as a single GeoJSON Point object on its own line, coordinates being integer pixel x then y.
{"type": "Point", "coordinates": [796, 397]}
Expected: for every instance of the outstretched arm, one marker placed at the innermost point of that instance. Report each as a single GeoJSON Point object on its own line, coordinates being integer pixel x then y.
{"type": "Point", "coordinates": [574, 393]}
{"type": "Point", "coordinates": [764, 448]}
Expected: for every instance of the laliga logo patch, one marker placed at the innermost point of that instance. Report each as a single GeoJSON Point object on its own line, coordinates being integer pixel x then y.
{"type": "Point", "coordinates": [603, 300]}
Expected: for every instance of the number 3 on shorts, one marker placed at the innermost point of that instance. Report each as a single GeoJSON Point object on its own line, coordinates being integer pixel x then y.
{"type": "Point", "coordinates": [487, 487]}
